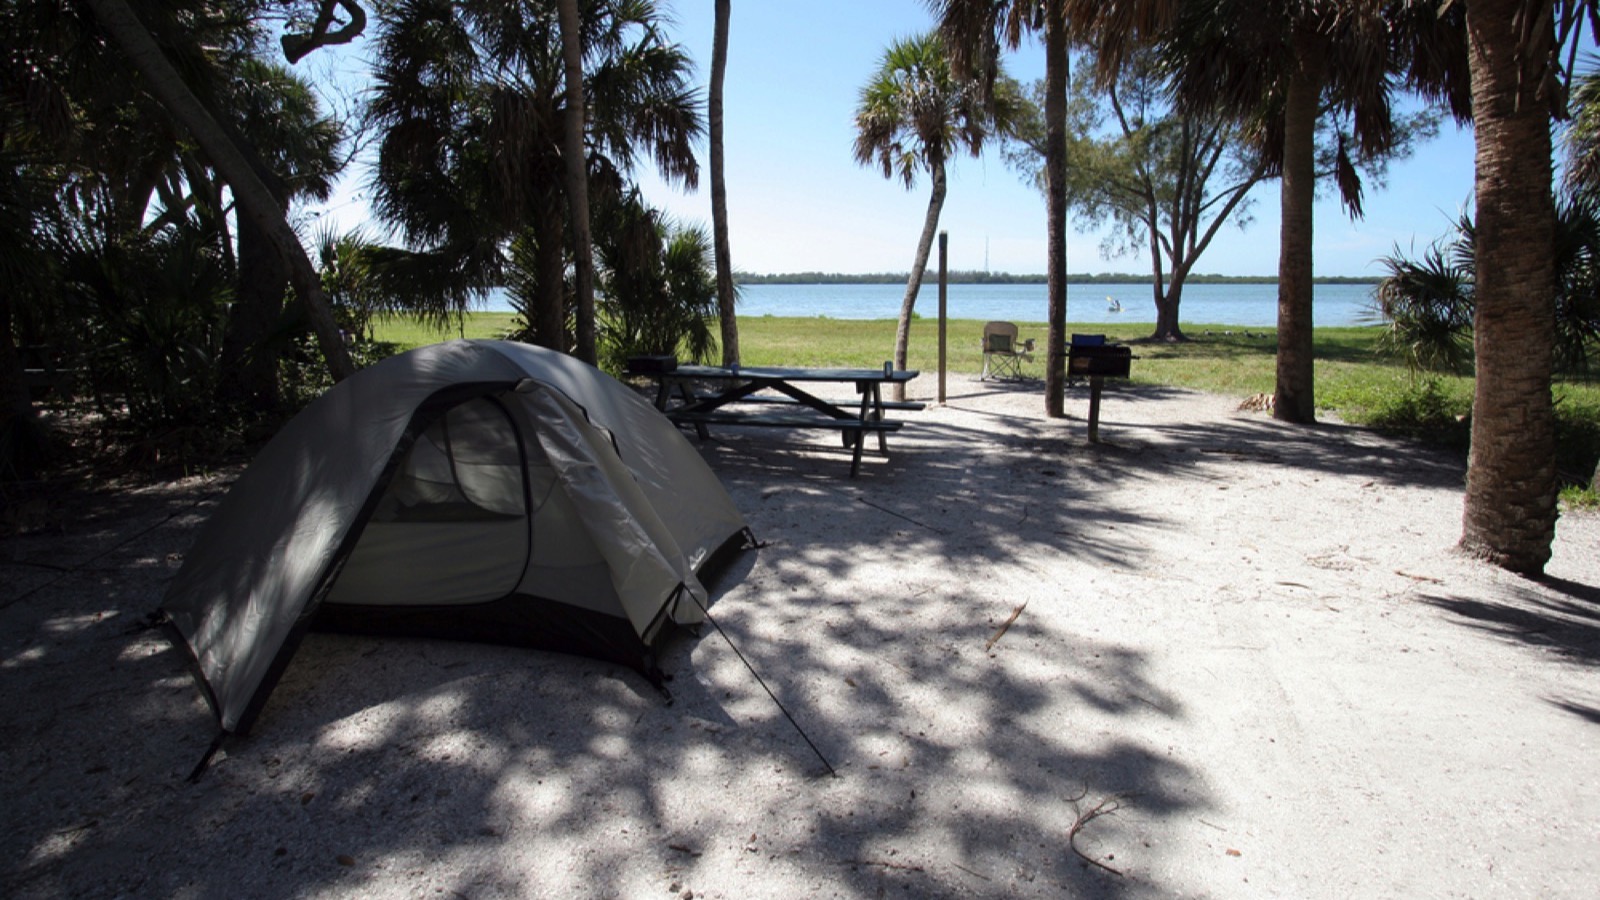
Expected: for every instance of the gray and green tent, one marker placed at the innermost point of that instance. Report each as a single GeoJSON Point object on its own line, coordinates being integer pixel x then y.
{"type": "Point", "coordinates": [481, 490]}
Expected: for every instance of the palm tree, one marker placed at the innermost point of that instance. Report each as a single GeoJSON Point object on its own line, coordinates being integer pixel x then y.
{"type": "Point", "coordinates": [1519, 55]}
{"type": "Point", "coordinates": [915, 114]}
{"type": "Point", "coordinates": [255, 200]}
{"type": "Point", "coordinates": [974, 31]}
{"type": "Point", "coordinates": [719, 189]}
{"type": "Point", "coordinates": [1509, 513]}
{"type": "Point", "coordinates": [1282, 68]}
{"type": "Point", "coordinates": [470, 100]}
{"type": "Point", "coordinates": [577, 172]}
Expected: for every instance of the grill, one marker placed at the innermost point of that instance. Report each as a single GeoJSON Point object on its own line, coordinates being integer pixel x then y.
{"type": "Point", "coordinates": [1088, 355]}
{"type": "Point", "coordinates": [1106, 360]}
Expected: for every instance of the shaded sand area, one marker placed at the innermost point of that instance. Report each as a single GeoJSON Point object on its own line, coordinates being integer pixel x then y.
{"type": "Point", "coordinates": [1248, 663]}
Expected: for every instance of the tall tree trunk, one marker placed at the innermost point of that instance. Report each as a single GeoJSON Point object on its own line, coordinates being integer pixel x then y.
{"type": "Point", "coordinates": [1294, 399]}
{"type": "Point", "coordinates": [1167, 327]}
{"type": "Point", "coordinates": [578, 178]}
{"type": "Point", "coordinates": [1055, 167]}
{"type": "Point", "coordinates": [253, 197]}
{"type": "Point", "coordinates": [249, 365]}
{"type": "Point", "coordinates": [1166, 311]}
{"type": "Point", "coordinates": [1510, 508]}
{"type": "Point", "coordinates": [930, 227]}
{"type": "Point", "coordinates": [719, 190]}
{"type": "Point", "coordinates": [549, 314]}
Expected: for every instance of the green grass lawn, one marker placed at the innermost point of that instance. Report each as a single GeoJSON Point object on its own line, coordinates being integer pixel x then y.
{"type": "Point", "coordinates": [1353, 381]}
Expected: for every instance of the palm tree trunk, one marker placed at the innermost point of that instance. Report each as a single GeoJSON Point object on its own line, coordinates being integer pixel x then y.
{"type": "Point", "coordinates": [930, 227]}
{"type": "Point", "coordinates": [1055, 167]}
{"type": "Point", "coordinates": [549, 313]}
{"type": "Point", "coordinates": [1510, 508]}
{"type": "Point", "coordinates": [578, 179]}
{"type": "Point", "coordinates": [1294, 399]}
{"type": "Point", "coordinates": [719, 189]}
{"type": "Point", "coordinates": [249, 366]}
{"type": "Point", "coordinates": [254, 199]}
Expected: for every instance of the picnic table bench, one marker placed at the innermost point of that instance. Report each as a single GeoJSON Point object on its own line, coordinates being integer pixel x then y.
{"type": "Point", "coordinates": [704, 396]}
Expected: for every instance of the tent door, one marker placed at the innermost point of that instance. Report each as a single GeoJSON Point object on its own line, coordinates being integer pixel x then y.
{"type": "Point", "coordinates": [453, 526]}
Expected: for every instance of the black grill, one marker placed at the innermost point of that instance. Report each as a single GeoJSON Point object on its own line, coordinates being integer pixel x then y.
{"type": "Point", "coordinates": [1109, 360]}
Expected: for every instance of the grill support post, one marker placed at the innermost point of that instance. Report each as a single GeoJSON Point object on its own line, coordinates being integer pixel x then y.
{"type": "Point", "coordinates": [1096, 384]}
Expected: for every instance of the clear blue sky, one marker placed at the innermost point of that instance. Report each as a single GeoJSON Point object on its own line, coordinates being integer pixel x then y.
{"type": "Point", "coordinates": [798, 202]}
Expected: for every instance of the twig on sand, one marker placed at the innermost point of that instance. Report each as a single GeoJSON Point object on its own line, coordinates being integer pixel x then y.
{"type": "Point", "coordinates": [970, 872]}
{"type": "Point", "coordinates": [1104, 808]}
{"type": "Point", "coordinates": [997, 635]}
{"type": "Point", "coordinates": [905, 867]}
{"type": "Point", "coordinates": [1426, 578]}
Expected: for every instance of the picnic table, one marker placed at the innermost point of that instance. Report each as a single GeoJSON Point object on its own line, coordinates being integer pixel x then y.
{"type": "Point", "coordinates": [772, 397]}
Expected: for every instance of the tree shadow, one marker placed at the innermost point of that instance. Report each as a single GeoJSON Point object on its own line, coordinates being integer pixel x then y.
{"type": "Point", "coordinates": [1564, 621]}
{"type": "Point", "coordinates": [966, 753]}
{"type": "Point", "coordinates": [424, 767]}
{"type": "Point", "coordinates": [1581, 710]}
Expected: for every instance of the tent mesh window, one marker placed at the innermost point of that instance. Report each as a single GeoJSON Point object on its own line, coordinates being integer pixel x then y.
{"type": "Point", "coordinates": [466, 467]}
{"type": "Point", "coordinates": [452, 526]}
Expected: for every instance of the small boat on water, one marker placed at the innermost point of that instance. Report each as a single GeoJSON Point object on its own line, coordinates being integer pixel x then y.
{"type": "Point", "coordinates": [1113, 305]}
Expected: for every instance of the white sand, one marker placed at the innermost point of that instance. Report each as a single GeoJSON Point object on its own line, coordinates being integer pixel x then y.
{"type": "Point", "coordinates": [1252, 645]}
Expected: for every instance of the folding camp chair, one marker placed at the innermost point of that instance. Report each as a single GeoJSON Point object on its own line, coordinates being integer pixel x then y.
{"type": "Point", "coordinates": [1003, 355]}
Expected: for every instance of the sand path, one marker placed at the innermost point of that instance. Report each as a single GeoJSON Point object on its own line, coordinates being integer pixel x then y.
{"type": "Point", "coordinates": [1252, 647]}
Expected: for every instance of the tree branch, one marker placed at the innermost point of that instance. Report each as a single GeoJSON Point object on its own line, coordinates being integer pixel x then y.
{"type": "Point", "coordinates": [296, 46]}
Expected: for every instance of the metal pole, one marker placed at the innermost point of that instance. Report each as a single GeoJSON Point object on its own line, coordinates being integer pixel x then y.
{"type": "Point", "coordinates": [1097, 383]}
{"type": "Point", "coordinates": [944, 290]}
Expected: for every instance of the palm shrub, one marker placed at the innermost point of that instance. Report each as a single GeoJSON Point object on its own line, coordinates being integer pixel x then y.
{"type": "Point", "coordinates": [657, 287]}
{"type": "Point", "coordinates": [1578, 273]}
{"type": "Point", "coordinates": [354, 292]}
{"type": "Point", "coordinates": [1428, 303]}
{"type": "Point", "coordinates": [154, 311]}
{"type": "Point", "coordinates": [532, 282]}
{"type": "Point", "coordinates": [30, 227]}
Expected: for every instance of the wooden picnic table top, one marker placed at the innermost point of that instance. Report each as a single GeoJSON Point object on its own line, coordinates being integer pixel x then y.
{"type": "Point", "coordinates": [853, 418]}
{"type": "Point", "coordinates": [785, 373]}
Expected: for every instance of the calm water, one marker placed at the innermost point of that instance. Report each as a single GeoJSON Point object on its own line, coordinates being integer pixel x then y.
{"type": "Point", "coordinates": [1209, 304]}
{"type": "Point", "coordinates": [1252, 305]}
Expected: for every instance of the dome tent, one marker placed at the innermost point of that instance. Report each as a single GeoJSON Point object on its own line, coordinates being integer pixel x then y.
{"type": "Point", "coordinates": [473, 489]}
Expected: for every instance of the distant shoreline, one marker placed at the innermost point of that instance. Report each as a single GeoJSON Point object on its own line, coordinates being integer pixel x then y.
{"type": "Point", "coordinates": [1008, 278]}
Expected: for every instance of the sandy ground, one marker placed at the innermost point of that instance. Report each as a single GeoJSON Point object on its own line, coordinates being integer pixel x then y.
{"type": "Point", "coordinates": [1248, 663]}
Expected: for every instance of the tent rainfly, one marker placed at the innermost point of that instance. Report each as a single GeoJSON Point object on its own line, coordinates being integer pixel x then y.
{"type": "Point", "coordinates": [481, 490]}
